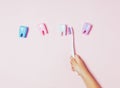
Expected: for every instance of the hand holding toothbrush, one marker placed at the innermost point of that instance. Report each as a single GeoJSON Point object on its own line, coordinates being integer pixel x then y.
{"type": "Point", "coordinates": [79, 66]}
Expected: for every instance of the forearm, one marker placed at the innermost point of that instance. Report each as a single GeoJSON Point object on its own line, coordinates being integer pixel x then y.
{"type": "Point", "coordinates": [80, 67]}
{"type": "Point", "coordinates": [90, 81]}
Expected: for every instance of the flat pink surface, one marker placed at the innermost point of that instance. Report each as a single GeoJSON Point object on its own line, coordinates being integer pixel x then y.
{"type": "Point", "coordinates": [43, 61]}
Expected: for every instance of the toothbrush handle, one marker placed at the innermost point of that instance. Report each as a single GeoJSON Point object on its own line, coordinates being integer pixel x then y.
{"type": "Point", "coordinates": [73, 44]}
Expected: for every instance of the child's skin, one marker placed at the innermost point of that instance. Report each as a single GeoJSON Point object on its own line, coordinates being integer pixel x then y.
{"type": "Point", "coordinates": [80, 67]}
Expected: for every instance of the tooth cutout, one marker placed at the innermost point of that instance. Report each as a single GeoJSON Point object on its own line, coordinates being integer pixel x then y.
{"type": "Point", "coordinates": [63, 29]}
{"type": "Point", "coordinates": [43, 29]}
{"type": "Point", "coordinates": [23, 31]}
{"type": "Point", "coordinates": [87, 27]}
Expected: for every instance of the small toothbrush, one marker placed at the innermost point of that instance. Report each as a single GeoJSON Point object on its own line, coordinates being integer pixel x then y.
{"type": "Point", "coordinates": [71, 31]}
{"type": "Point", "coordinates": [68, 30]}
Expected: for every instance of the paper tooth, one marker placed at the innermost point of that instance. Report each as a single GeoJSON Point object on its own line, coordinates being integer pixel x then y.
{"type": "Point", "coordinates": [63, 29]}
{"type": "Point", "coordinates": [23, 31]}
{"type": "Point", "coordinates": [43, 29]}
{"type": "Point", "coordinates": [86, 28]}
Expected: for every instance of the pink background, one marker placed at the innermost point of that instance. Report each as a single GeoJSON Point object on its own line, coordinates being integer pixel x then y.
{"type": "Point", "coordinates": [43, 61]}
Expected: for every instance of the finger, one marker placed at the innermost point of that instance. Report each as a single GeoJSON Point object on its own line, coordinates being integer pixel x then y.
{"type": "Point", "coordinates": [78, 59]}
{"type": "Point", "coordinates": [71, 57]}
{"type": "Point", "coordinates": [73, 69]}
{"type": "Point", "coordinates": [73, 62]}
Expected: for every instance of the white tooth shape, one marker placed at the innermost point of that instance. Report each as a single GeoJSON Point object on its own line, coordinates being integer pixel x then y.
{"type": "Point", "coordinates": [23, 31]}
{"type": "Point", "coordinates": [43, 28]}
{"type": "Point", "coordinates": [63, 29]}
{"type": "Point", "coordinates": [86, 28]}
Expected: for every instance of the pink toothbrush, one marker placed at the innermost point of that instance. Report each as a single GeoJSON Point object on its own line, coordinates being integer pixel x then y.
{"type": "Point", "coordinates": [68, 30]}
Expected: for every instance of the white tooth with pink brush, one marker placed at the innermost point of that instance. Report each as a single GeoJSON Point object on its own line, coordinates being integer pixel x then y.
{"type": "Point", "coordinates": [68, 30]}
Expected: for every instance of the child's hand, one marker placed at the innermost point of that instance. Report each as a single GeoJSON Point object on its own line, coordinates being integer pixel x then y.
{"type": "Point", "coordinates": [78, 65]}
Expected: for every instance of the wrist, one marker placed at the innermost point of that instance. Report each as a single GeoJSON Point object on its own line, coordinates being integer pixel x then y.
{"type": "Point", "coordinates": [83, 73]}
